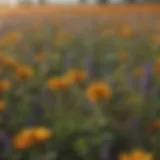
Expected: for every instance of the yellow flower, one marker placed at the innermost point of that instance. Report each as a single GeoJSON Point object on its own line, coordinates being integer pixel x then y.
{"type": "Point", "coordinates": [4, 85]}
{"type": "Point", "coordinates": [24, 73]}
{"type": "Point", "coordinates": [42, 134]}
{"type": "Point", "coordinates": [98, 91]}
{"type": "Point", "coordinates": [126, 31]}
{"type": "Point", "coordinates": [24, 139]}
{"type": "Point", "coordinates": [58, 83]}
{"type": "Point", "coordinates": [2, 105]}
{"type": "Point", "coordinates": [76, 75]}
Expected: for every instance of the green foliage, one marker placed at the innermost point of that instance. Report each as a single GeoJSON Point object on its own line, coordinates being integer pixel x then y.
{"type": "Point", "coordinates": [80, 128]}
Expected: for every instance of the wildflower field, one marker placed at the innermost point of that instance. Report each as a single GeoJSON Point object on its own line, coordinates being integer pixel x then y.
{"type": "Point", "coordinates": [80, 83]}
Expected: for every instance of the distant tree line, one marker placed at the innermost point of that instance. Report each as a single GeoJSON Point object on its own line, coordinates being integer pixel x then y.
{"type": "Point", "coordinates": [123, 1]}
{"type": "Point", "coordinates": [31, 1]}
{"type": "Point", "coordinates": [97, 1]}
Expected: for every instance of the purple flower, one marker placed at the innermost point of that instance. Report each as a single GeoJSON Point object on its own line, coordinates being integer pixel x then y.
{"type": "Point", "coordinates": [36, 111]}
{"type": "Point", "coordinates": [6, 115]}
{"type": "Point", "coordinates": [131, 82]}
{"type": "Point", "coordinates": [67, 59]}
{"type": "Point", "coordinates": [146, 79]}
{"type": "Point", "coordinates": [90, 64]}
{"type": "Point", "coordinates": [35, 116]}
{"type": "Point", "coordinates": [4, 140]}
{"type": "Point", "coordinates": [104, 153]}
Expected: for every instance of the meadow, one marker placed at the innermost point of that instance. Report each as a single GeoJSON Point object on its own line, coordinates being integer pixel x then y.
{"type": "Point", "coordinates": [80, 83]}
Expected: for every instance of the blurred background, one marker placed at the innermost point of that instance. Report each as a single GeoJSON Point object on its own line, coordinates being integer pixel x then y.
{"type": "Point", "coordinates": [18, 2]}
{"type": "Point", "coordinates": [79, 79]}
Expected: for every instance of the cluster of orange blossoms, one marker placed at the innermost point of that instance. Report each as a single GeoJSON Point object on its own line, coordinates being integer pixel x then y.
{"type": "Point", "coordinates": [5, 85]}
{"type": "Point", "coordinates": [21, 72]}
{"type": "Point", "coordinates": [76, 76]}
{"type": "Point", "coordinates": [58, 83]}
{"type": "Point", "coordinates": [136, 155]}
{"type": "Point", "coordinates": [98, 91]}
{"type": "Point", "coordinates": [10, 38]}
{"type": "Point", "coordinates": [8, 63]}
{"type": "Point", "coordinates": [24, 73]}
{"type": "Point", "coordinates": [95, 92]}
{"type": "Point", "coordinates": [31, 136]}
{"type": "Point", "coordinates": [63, 82]}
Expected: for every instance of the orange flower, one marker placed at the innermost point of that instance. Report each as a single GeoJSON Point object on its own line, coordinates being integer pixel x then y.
{"type": "Point", "coordinates": [4, 85]}
{"type": "Point", "coordinates": [24, 139]}
{"type": "Point", "coordinates": [39, 57]}
{"type": "Point", "coordinates": [157, 66]}
{"type": "Point", "coordinates": [126, 31]}
{"type": "Point", "coordinates": [123, 56]}
{"type": "Point", "coordinates": [30, 136]}
{"type": "Point", "coordinates": [136, 155]}
{"type": "Point", "coordinates": [13, 36]}
{"type": "Point", "coordinates": [2, 105]}
{"type": "Point", "coordinates": [155, 39]}
{"type": "Point", "coordinates": [24, 73]}
{"type": "Point", "coordinates": [9, 63]}
{"type": "Point", "coordinates": [62, 37]}
{"type": "Point", "coordinates": [140, 155]}
{"type": "Point", "coordinates": [139, 72]}
{"type": "Point", "coordinates": [58, 83]}
{"type": "Point", "coordinates": [76, 75]}
{"type": "Point", "coordinates": [98, 91]}
{"type": "Point", "coordinates": [149, 129]}
{"type": "Point", "coordinates": [156, 124]}
{"type": "Point", "coordinates": [124, 156]}
{"type": "Point", "coordinates": [42, 134]}
{"type": "Point", "coordinates": [2, 59]}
